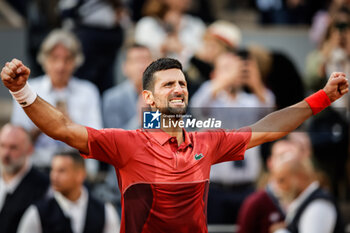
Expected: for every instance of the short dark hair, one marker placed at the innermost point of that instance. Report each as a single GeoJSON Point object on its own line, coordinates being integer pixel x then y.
{"type": "Point", "coordinates": [155, 66]}
{"type": "Point", "coordinates": [74, 155]}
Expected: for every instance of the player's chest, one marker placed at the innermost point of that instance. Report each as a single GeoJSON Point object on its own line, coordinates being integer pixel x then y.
{"type": "Point", "coordinates": [172, 160]}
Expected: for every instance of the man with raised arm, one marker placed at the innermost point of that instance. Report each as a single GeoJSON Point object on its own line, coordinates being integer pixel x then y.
{"type": "Point", "coordinates": [163, 174]}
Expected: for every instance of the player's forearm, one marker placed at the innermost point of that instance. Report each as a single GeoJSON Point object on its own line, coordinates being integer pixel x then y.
{"type": "Point", "coordinates": [280, 123]}
{"type": "Point", "coordinates": [48, 119]}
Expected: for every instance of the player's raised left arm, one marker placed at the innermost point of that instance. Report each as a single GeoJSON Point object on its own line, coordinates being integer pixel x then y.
{"type": "Point", "coordinates": [280, 123]}
{"type": "Point", "coordinates": [46, 117]}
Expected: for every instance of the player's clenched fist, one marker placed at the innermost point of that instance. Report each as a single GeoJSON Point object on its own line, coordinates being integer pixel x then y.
{"type": "Point", "coordinates": [14, 75]}
{"type": "Point", "coordinates": [336, 86]}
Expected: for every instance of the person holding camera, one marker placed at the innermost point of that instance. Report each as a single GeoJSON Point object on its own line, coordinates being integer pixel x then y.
{"type": "Point", "coordinates": [237, 96]}
{"type": "Point", "coordinates": [333, 53]}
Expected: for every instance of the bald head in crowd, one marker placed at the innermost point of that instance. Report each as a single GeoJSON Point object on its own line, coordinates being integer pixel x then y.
{"type": "Point", "coordinates": [291, 172]}
{"type": "Point", "coordinates": [15, 149]}
{"type": "Point", "coordinates": [279, 149]}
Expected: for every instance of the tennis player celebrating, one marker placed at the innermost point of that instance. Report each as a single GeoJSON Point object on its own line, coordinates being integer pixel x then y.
{"type": "Point", "coordinates": [164, 174]}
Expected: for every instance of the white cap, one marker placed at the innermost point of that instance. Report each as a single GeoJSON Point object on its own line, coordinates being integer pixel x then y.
{"type": "Point", "coordinates": [227, 32]}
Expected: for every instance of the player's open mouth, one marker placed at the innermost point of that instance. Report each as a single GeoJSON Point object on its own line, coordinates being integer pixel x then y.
{"type": "Point", "coordinates": [177, 101]}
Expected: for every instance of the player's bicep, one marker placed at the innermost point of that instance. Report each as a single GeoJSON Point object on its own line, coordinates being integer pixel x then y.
{"type": "Point", "coordinates": [107, 145]}
{"type": "Point", "coordinates": [256, 139]}
{"type": "Point", "coordinates": [78, 137]}
{"type": "Point", "coordinates": [260, 135]}
{"type": "Point", "coordinates": [230, 144]}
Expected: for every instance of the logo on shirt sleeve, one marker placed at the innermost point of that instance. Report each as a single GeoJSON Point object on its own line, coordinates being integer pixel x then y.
{"type": "Point", "coordinates": [198, 156]}
{"type": "Point", "coordinates": [151, 120]}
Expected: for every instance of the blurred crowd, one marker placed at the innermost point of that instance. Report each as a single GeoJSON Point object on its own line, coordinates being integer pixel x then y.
{"type": "Point", "coordinates": [79, 48]}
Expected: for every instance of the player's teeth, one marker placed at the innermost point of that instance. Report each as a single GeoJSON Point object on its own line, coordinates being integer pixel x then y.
{"type": "Point", "coordinates": [176, 101]}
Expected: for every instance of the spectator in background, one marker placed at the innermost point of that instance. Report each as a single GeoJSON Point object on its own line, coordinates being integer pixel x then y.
{"type": "Point", "coordinates": [279, 74]}
{"type": "Point", "coordinates": [20, 183]}
{"type": "Point", "coordinates": [79, 100]}
{"type": "Point", "coordinates": [333, 52]}
{"type": "Point", "coordinates": [121, 103]}
{"type": "Point", "coordinates": [168, 31]}
{"type": "Point", "coordinates": [200, 8]}
{"type": "Point", "coordinates": [287, 11]}
{"type": "Point", "coordinates": [219, 98]}
{"type": "Point", "coordinates": [97, 24]}
{"type": "Point", "coordinates": [220, 37]}
{"type": "Point", "coordinates": [231, 73]}
{"type": "Point", "coordinates": [302, 139]}
{"type": "Point", "coordinates": [271, 11]}
{"type": "Point", "coordinates": [309, 209]}
{"type": "Point", "coordinates": [329, 133]}
{"type": "Point", "coordinates": [262, 209]}
{"type": "Point", "coordinates": [42, 18]}
{"type": "Point", "coordinates": [70, 207]}
{"type": "Point", "coordinates": [323, 18]}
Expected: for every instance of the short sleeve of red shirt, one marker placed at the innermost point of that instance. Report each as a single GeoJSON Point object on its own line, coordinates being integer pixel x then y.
{"type": "Point", "coordinates": [105, 144]}
{"type": "Point", "coordinates": [231, 144]}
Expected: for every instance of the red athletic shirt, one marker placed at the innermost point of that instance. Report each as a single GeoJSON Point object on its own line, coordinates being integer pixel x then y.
{"type": "Point", "coordinates": [164, 186]}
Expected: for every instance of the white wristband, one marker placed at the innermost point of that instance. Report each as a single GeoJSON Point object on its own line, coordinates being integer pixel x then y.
{"type": "Point", "coordinates": [25, 97]}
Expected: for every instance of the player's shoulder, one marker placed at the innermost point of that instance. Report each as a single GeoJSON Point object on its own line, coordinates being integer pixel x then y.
{"type": "Point", "coordinates": [115, 135]}
{"type": "Point", "coordinates": [111, 131]}
{"type": "Point", "coordinates": [220, 131]}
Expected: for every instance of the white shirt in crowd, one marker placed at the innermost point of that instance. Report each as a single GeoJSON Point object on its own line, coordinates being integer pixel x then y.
{"type": "Point", "coordinates": [150, 31]}
{"type": "Point", "coordinates": [318, 217]}
{"type": "Point", "coordinates": [76, 211]}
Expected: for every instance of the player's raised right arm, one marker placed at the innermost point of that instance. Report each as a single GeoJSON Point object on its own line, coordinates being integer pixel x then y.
{"type": "Point", "coordinates": [47, 118]}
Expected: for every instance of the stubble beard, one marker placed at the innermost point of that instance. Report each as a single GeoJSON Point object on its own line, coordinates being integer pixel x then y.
{"type": "Point", "coordinates": [11, 169]}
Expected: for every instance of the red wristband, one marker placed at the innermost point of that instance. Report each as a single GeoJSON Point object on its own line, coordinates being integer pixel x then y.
{"type": "Point", "coordinates": [318, 101]}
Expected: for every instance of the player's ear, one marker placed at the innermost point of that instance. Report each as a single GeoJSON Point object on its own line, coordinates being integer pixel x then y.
{"type": "Point", "coordinates": [148, 97]}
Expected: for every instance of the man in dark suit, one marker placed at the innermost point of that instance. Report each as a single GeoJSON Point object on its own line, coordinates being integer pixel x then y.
{"type": "Point", "coordinates": [20, 183]}
{"type": "Point", "coordinates": [69, 207]}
